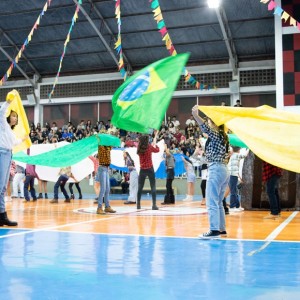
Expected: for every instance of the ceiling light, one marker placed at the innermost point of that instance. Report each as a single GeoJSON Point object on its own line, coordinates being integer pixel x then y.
{"type": "Point", "coordinates": [213, 3]}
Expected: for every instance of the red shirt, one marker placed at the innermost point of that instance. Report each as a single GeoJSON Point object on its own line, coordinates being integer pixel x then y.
{"type": "Point", "coordinates": [146, 158]}
{"type": "Point", "coordinates": [270, 170]}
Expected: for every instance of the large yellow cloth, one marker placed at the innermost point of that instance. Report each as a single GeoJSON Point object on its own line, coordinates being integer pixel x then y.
{"type": "Point", "coordinates": [22, 128]}
{"type": "Point", "coordinates": [273, 135]}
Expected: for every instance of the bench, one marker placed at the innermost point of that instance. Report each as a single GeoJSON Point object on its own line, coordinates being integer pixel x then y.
{"type": "Point", "coordinates": [146, 189]}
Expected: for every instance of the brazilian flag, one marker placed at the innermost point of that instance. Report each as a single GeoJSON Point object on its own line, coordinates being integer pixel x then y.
{"type": "Point", "coordinates": [141, 102]}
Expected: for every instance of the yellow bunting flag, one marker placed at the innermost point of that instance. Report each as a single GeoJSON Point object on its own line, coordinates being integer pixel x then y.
{"type": "Point", "coordinates": [285, 16]}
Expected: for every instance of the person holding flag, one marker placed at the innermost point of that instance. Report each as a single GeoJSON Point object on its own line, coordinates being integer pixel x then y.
{"type": "Point", "coordinates": [8, 140]}
{"type": "Point", "coordinates": [216, 151]}
{"type": "Point", "coordinates": [144, 152]}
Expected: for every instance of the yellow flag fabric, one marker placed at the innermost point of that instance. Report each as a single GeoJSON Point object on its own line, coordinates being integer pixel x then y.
{"type": "Point", "coordinates": [22, 128]}
{"type": "Point", "coordinates": [272, 134]}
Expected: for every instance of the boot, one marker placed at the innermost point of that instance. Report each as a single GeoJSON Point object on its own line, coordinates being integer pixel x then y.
{"type": "Point", "coordinates": [46, 196]}
{"type": "Point", "coordinates": [225, 207]}
{"type": "Point", "coordinates": [40, 196]}
{"type": "Point", "coordinates": [154, 207]}
{"type": "Point", "coordinates": [72, 196]}
{"type": "Point", "coordinates": [80, 196]}
{"type": "Point", "coordinates": [5, 221]}
{"type": "Point", "coordinates": [138, 204]}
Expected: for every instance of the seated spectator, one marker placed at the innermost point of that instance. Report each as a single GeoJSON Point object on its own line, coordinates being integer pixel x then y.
{"type": "Point", "coordinates": [190, 121]}
{"type": "Point", "coordinates": [125, 183]}
{"type": "Point", "coordinates": [238, 103]}
{"type": "Point", "coordinates": [115, 178]}
{"type": "Point", "coordinates": [175, 122]}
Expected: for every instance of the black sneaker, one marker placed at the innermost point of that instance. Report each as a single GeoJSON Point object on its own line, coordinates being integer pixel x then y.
{"type": "Point", "coordinates": [223, 233]}
{"type": "Point", "coordinates": [212, 234]}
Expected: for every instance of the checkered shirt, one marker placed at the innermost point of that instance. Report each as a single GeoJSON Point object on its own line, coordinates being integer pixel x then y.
{"type": "Point", "coordinates": [270, 170]}
{"type": "Point", "coordinates": [146, 158]}
{"type": "Point", "coordinates": [215, 150]}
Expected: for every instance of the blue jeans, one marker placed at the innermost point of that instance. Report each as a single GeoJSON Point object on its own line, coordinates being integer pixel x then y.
{"type": "Point", "coordinates": [216, 184]}
{"type": "Point", "coordinates": [234, 198]}
{"type": "Point", "coordinates": [29, 182]}
{"type": "Point", "coordinates": [272, 191]}
{"type": "Point", "coordinates": [61, 182]}
{"type": "Point", "coordinates": [5, 160]}
{"type": "Point", "coordinates": [104, 186]}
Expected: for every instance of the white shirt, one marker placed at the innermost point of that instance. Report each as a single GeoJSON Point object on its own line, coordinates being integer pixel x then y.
{"type": "Point", "coordinates": [7, 137]}
{"type": "Point", "coordinates": [188, 121]}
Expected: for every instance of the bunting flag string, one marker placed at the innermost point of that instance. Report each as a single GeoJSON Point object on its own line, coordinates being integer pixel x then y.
{"type": "Point", "coordinates": [27, 41]}
{"type": "Point", "coordinates": [161, 26]}
{"type": "Point", "coordinates": [272, 5]}
{"type": "Point", "coordinates": [75, 17]}
{"type": "Point", "coordinates": [118, 44]}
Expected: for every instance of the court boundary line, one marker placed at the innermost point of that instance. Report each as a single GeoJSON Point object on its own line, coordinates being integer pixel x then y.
{"type": "Point", "coordinates": [272, 236]}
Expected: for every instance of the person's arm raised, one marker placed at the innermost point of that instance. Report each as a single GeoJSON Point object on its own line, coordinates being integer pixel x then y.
{"type": "Point", "coordinates": [196, 116]}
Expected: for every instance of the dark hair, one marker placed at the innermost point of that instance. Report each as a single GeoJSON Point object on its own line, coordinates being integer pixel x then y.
{"type": "Point", "coordinates": [8, 119]}
{"type": "Point", "coordinates": [143, 144]}
{"type": "Point", "coordinates": [128, 155]}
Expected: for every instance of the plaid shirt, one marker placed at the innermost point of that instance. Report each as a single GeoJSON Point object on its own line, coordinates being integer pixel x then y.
{"type": "Point", "coordinates": [104, 155]}
{"type": "Point", "coordinates": [215, 148]}
{"type": "Point", "coordinates": [270, 170]}
{"type": "Point", "coordinates": [146, 158]}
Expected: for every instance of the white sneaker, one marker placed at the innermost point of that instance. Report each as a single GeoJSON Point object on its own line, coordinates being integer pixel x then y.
{"type": "Point", "coordinates": [240, 209]}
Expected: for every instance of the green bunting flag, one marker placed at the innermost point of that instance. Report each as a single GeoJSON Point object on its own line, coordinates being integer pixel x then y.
{"type": "Point", "coordinates": [141, 102]}
{"type": "Point", "coordinates": [70, 154]}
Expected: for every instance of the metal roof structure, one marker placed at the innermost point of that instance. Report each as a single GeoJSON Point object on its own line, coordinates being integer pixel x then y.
{"type": "Point", "coordinates": [240, 30]}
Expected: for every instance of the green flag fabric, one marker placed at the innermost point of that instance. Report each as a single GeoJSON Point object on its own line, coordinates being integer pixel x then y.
{"type": "Point", "coordinates": [141, 102]}
{"type": "Point", "coordinates": [70, 154]}
{"type": "Point", "coordinates": [235, 141]}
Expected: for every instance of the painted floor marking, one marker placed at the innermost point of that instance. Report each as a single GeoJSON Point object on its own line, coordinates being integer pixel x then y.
{"type": "Point", "coordinates": [272, 236]}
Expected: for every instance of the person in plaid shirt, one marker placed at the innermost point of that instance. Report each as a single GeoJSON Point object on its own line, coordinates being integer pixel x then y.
{"type": "Point", "coordinates": [271, 176]}
{"type": "Point", "coordinates": [144, 152]}
{"type": "Point", "coordinates": [216, 152]}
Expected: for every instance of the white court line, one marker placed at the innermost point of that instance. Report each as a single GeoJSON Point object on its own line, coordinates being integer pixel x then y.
{"type": "Point", "coordinates": [59, 226]}
{"type": "Point", "coordinates": [53, 228]}
{"type": "Point", "coordinates": [272, 236]}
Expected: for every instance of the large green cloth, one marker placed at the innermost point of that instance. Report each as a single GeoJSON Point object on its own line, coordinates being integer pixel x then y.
{"type": "Point", "coordinates": [141, 102]}
{"type": "Point", "coordinates": [235, 141]}
{"type": "Point", "coordinates": [70, 154]}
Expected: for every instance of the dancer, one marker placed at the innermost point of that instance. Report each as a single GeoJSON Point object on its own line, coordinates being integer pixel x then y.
{"type": "Point", "coordinates": [64, 175]}
{"type": "Point", "coordinates": [7, 141]}
{"type": "Point", "coordinates": [144, 152]}
{"type": "Point", "coordinates": [78, 189]}
{"type": "Point", "coordinates": [12, 174]}
{"type": "Point", "coordinates": [133, 179]}
{"type": "Point", "coordinates": [104, 162]}
{"type": "Point", "coordinates": [18, 182]}
{"type": "Point", "coordinates": [30, 175]}
{"type": "Point", "coordinates": [190, 178]}
{"type": "Point", "coordinates": [170, 165]}
{"type": "Point", "coordinates": [216, 151]}
{"type": "Point", "coordinates": [271, 176]}
{"type": "Point", "coordinates": [42, 186]}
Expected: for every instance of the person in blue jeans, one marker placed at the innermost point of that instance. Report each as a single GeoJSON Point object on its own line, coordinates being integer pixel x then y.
{"type": "Point", "coordinates": [271, 175]}
{"type": "Point", "coordinates": [30, 174]}
{"type": "Point", "coordinates": [216, 151]}
{"type": "Point", "coordinates": [7, 141]}
{"type": "Point", "coordinates": [64, 175]}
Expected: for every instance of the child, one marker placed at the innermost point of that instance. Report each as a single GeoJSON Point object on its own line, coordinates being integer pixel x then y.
{"type": "Point", "coordinates": [191, 178]}
{"type": "Point", "coordinates": [234, 168]}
